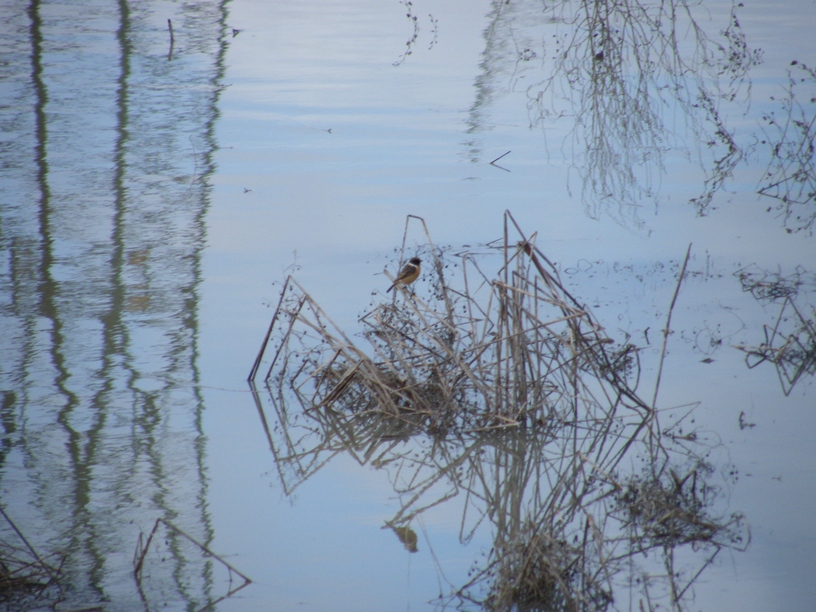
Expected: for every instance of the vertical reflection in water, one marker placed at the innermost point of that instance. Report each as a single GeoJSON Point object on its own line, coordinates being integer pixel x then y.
{"type": "Point", "coordinates": [99, 297]}
{"type": "Point", "coordinates": [620, 85]}
{"type": "Point", "coordinates": [46, 289]}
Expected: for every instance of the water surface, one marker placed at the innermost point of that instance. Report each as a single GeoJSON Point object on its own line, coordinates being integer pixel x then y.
{"type": "Point", "coordinates": [154, 198]}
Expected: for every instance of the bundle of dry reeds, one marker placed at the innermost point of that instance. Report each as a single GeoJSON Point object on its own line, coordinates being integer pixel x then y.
{"type": "Point", "coordinates": [533, 414]}
{"type": "Point", "coordinates": [482, 352]}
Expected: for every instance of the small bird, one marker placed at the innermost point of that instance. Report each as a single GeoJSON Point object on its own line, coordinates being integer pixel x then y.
{"type": "Point", "coordinates": [408, 274]}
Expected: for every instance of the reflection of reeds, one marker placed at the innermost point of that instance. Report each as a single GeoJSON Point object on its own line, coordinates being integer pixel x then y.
{"type": "Point", "coordinates": [538, 571]}
{"type": "Point", "coordinates": [617, 66]}
{"type": "Point", "coordinates": [669, 510]}
{"type": "Point", "coordinates": [569, 554]}
{"type": "Point", "coordinates": [791, 174]}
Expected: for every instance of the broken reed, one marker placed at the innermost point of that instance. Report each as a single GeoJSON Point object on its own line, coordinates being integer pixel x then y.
{"type": "Point", "coordinates": [515, 348]}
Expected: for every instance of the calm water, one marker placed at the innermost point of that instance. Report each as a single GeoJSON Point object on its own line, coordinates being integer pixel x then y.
{"type": "Point", "coordinates": [153, 198]}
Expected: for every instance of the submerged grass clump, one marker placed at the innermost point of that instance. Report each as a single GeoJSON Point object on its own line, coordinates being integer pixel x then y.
{"type": "Point", "coordinates": [540, 571]}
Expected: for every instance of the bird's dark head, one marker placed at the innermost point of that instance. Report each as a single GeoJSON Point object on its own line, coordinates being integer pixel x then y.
{"type": "Point", "coordinates": [415, 260]}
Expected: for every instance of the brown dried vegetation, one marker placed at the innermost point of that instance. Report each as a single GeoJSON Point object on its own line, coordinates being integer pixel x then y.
{"type": "Point", "coordinates": [511, 394]}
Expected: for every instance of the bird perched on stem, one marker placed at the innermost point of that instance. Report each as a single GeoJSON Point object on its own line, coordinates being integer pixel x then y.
{"type": "Point", "coordinates": [408, 274]}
